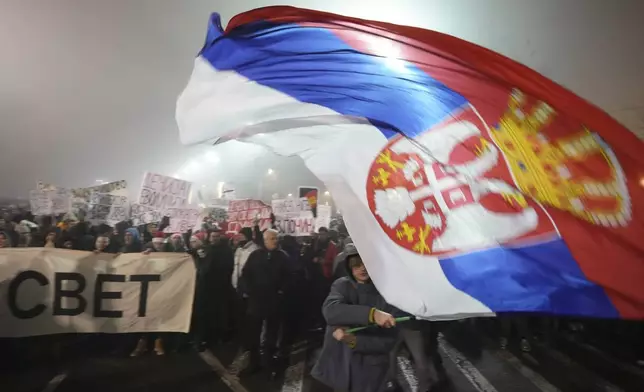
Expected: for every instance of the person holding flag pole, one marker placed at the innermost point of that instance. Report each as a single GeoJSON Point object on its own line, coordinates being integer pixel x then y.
{"type": "Point", "coordinates": [356, 359]}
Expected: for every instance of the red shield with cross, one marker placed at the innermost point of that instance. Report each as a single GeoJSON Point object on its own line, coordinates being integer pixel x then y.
{"type": "Point", "coordinates": [449, 190]}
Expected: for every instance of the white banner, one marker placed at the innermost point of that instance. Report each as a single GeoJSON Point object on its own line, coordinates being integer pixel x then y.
{"type": "Point", "coordinates": [49, 291]}
{"type": "Point", "coordinates": [161, 192]}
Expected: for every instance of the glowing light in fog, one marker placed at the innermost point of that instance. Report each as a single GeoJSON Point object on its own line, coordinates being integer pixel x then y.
{"type": "Point", "coordinates": [220, 189]}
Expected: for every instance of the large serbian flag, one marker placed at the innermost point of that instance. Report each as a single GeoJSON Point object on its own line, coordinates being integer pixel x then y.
{"type": "Point", "coordinates": [469, 183]}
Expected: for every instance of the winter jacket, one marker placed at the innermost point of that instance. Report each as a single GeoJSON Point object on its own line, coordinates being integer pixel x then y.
{"type": "Point", "coordinates": [264, 280]}
{"type": "Point", "coordinates": [362, 368]}
{"type": "Point", "coordinates": [241, 257]}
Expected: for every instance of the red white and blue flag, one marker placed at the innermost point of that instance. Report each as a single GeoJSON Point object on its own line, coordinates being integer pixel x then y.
{"type": "Point", "coordinates": [470, 183]}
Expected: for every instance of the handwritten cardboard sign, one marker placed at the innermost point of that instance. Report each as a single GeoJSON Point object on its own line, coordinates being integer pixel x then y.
{"type": "Point", "coordinates": [244, 213]}
{"type": "Point", "coordinates": [161, 192]}
{"type": "Point", "coordinates": [184, 219]}
{"type": "Point", "coordinates": [107, 208]}
{"type": "Point", "coordinates": [290, 206]}
{"type": "Point", "coordinates": [40, 202]}
{"type": "Point", "coordinates": [50, 201]}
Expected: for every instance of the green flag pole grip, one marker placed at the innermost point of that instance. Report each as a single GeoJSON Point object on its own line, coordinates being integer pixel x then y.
{"type": "Point", "coordinates": [398, 320]}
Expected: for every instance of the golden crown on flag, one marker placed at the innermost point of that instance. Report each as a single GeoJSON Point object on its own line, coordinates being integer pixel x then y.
{"type": "Point", "coordinates": [543, 168]}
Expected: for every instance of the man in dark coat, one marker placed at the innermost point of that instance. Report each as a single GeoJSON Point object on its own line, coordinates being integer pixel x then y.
{"type": "Point", "coordinates": [356, 362]}
{"type": "Point", "coordinates": [263, 281]}
{"type": "Point", "coordinates": [201, 320]}
{"type": "Point", "coordinates": [221, 269]}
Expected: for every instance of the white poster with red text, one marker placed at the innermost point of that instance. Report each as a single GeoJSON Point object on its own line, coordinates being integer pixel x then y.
{"type": "Point", "coordinates": [246, 213]}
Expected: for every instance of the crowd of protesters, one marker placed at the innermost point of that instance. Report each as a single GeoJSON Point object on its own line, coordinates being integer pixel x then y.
{"type": "Point", "coordinates": [262, 290]}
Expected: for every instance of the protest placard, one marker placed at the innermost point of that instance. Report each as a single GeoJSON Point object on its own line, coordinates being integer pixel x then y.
{"type": "Point", "coordinates": [61, 201]}
{"type": "Point", "coordinates": [42, 186]}
{"type": "Point", "coordinates": [323, 218]}
{"type": "Point", "coordinates": [290, 206]}
{"type": "Point", "coordinates": [107, 208]}
{"type": "Point", "coordinates": [40, 202]}
{"type": "Point", "coordinates": [302, 225]}
{"type": "Point", "coordinates": [141, 215]}
{"type": "Point", "coordinates": [293, 216]}
{"type": "Point", "coordinates": [49, 201]}
{"type": "Point", "coordinates": [244, 213]}
{"type": "Point", "coordinates": [162, 192]}
{"type": "Point", "coordinates": [80, 196]}
{"type": "Point", "coordinates": [113, 188]}
{"type": "Point", "coordinates": [184, 219]}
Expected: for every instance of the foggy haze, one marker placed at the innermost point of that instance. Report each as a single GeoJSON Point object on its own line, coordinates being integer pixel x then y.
{"type": "Point", "coordinates": [88, 87]}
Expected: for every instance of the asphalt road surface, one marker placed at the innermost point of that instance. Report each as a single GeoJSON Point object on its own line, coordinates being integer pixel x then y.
{"type": "Point", "coordinates": [473, 362]}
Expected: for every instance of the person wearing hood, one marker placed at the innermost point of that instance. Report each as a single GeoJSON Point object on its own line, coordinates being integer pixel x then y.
{"type": "Point", "coordinates": [131, 241]}
{"type": "Point", "coordinates": [263, 282]}
{"type": "Point", "coordinates": [356, 362]}
{"type": "Point", "coordinates": [339, 269]}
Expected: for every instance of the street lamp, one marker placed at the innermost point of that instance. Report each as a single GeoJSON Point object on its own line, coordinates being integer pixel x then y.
{"type": "Point", "coordinates": [270, 171]}
{"type": "Point", "coordinates": [326, 193]}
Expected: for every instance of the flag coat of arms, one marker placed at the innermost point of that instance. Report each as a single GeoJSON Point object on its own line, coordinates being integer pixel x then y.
{"type": "Point", "coordinates": [469, 183]}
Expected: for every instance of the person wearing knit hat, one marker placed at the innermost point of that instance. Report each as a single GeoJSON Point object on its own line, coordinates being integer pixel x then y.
{"type": "Point", "coordinates": [197, 240]}
{"type": "Point", "coordinates": [158, 242]}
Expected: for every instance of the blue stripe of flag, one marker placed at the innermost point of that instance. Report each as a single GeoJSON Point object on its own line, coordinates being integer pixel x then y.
{"type": "Point", "coordinates": [313, 65]}
{"type": "Point", "coordinates": [535, 278]}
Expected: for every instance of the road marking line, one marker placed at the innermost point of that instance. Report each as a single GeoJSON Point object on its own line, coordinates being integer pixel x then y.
{"type": "Point", "coordinates": [231, 381]}
{"type": "Point", "coordinates": [294, 378]}
{"type": "Point", "coordinates": [55, 382]}
{"type": "Point", "coordinates": [561, 357]}
{"type": "Point", "coordinates": [407, 369]}
{"type": "Point", "coordinates": [470, 372]}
